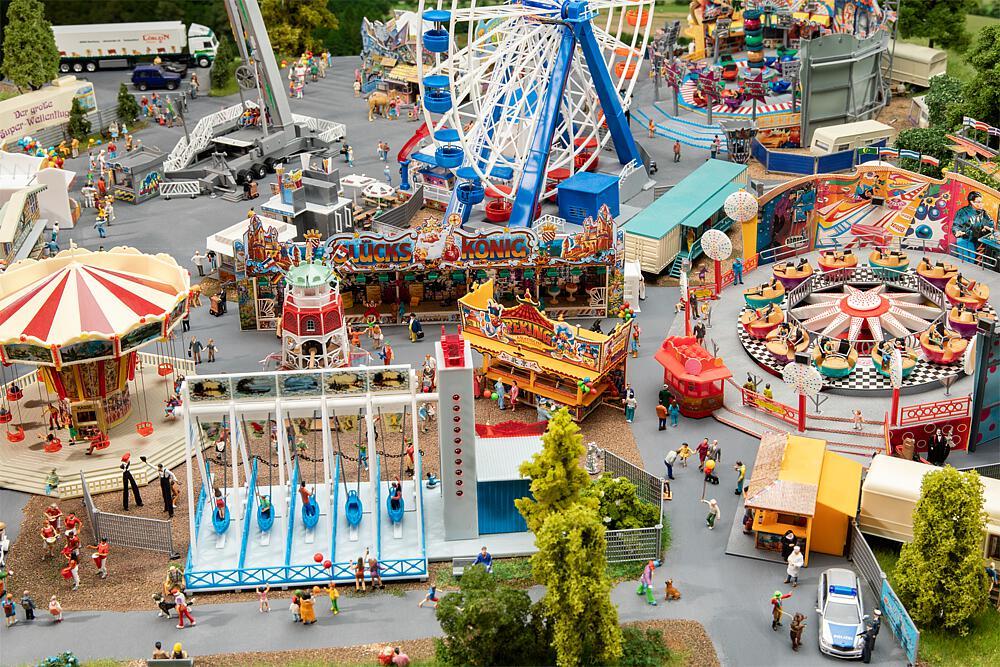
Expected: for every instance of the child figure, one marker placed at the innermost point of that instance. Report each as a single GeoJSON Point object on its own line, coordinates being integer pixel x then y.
{"type": "Point", "coordinates": [8, 610]}
{"type": "Point", "coordinates": [294, 608]}
{"type": "Point", "coordinates": [646, 583]}
{"type": "Point", "coordinates": [430, 597]}
{"type": "Point", "coordinates": [333, 593]}
{"type": "Point", "coordinates": [55, 609]}
{"type": "Point", "coordinates": [857, 419]}
{"type": "Point", "coordinates": [264, 605]}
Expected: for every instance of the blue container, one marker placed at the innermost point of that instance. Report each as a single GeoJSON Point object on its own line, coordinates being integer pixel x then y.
{"type": "Point", "coordinates": [395, 514]}
{"type": "Point", "coordinates": [265, 522]}
{"type": "Point", "coordinates": [471, 192]}
{"type": "Point", "coordinates": [449, 156]}
{"type": "Point", "coordinates": [496, 510]}
{"type": "Point", "coordinates": [446, 135]}
{"type": "Point", "coordinates": [437, 101]}
{"type": "Point", "coordinates": [437, 15]}
{"type": "Point", "coordinates": [310, 513]}
{"type": "Point", "coordinates": [436, 40]}
{"type": "Point", "coordinates": [352, 508]}
{"type": "Point", "coordinates": [221, 525]}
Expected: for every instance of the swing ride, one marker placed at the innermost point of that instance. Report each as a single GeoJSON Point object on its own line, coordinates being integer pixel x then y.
{"type": "Point", "coordinates": [81, 319]}
{"type": "Point", "coordinates": [320, 533]}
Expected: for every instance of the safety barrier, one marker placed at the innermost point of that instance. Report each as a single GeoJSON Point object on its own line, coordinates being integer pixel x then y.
{"type": "Point", "coordinates": [935, 412]}
{"type": "Point", "coordinates": [185, 150]}
{"type": "Point", "coordinates": [170, 189]}
{"type": "Point", "coordinates": [769, 406]}
{"type": "Point", "coordinates": [284, 576]}
{"type": "Point", "coordinates": [182, 366]}
{"type": "Point", "coordinates": [327, 130]}
{"type": "Point", "coordinates": [991, 470]}
{"type": "Point", "coordinates": [635, 544]}
{"type": "Point", "coordinates": [125, 530]}
{"type": "Point", "coordinates": [794, 163]}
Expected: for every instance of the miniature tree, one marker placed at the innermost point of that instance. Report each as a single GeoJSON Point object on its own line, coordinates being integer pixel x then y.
{"type": "Point", "coordinates": [128, 108]}
{"type": "Point", "coordinates": [557, 479]}
{"type": "Point", "coordinates": [291, 26]}
{"type": "Point", "coordinates": [928, 141]}
{"type": "Point", "coordinates": [572, 565]}
{"type": "Point", "coordinates": [982, 92]}
{"type": "Point", "coordinates": [224, 64]}
{"type": "Point", "coordinates": [941, 21]}
{"type": "Point", "coordinates": [619, 506]}
{"type": "Point", "coordinates": [30, 56]}
{"type": "Point", "coordinates": [944, 101]}
{"type": "Point", "coordinates": [940, 576]}
{"type": "Point", "coordinates": [488, 623]}
{"type": "Point", "coordinates": [78, 126]}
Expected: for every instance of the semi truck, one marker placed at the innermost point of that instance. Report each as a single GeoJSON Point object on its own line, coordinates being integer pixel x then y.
{"type": "Point", "coordinates": [122, 45]}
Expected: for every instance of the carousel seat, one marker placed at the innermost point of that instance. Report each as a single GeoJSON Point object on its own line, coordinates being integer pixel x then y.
{"type": "Point", "coordinates": [973, 296]}
{"type": "Point", "coordinates": [837, 260]}
{"type": "Point", "coordinates": [781, 347]}
{"type": "Point", "coordinates": [759, 322]}
{"type": "Point", "coordinates": [888, 265]}
{"type": "Point", "coordinates": [835, 364]}
{"type": "Point", "coordinates": [758, 297]}
{"type": "Point", "coordinates": [947, 351]}
{"type": "Point", "coordinates": [937, 275]}
{"type": "Point", "coordinates": [909, 361]}
{"type": "Point", "coordinates": [791, 274]}
{"type": "Point", "coordinates": [52, 446]}
{"type": "Point", "coordinates": [965, 322]}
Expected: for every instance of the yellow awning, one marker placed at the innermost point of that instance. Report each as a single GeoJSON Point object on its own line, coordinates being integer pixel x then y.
{"type": "Point", "coordinates": [840, 484]}
{"type": "Point", "coordinates": [544, 362]}
{"type": "Point", "coordinates": [404, 72]}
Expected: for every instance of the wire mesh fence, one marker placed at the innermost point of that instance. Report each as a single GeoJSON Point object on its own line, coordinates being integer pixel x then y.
{"type": "Point", "coordinates": [634, 544]}
{"type": "Point", "coordinates": [648, 485]}
{"type": "Point", "coordinates": [123, 530]}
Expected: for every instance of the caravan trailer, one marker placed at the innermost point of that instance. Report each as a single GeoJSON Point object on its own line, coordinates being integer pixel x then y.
{"type": "Point", "coordinates": [837, 138]}
{"type": "Point", "coordinates": [891, 491]}
{"type": "Point", "coordinates": [917, 65]}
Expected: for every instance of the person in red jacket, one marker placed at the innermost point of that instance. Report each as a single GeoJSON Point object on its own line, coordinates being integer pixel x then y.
{"type": "Point", "coordinates": [702, 453]}
{"type": "Point", "coordinates": [776, 612]}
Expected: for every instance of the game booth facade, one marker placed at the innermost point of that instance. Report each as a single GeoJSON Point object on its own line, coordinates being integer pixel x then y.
{"type": "Point", "coordinates": [575, 269]}
{"type": "Point", "coordinates": [555, 364]}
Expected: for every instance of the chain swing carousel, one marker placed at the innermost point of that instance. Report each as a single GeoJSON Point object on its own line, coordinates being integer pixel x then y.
{"type": "Point", "coordinates": [81, 318]}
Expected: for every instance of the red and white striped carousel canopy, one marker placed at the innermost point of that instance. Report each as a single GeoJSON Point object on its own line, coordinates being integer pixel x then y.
{"type": "Point", "coordinates": [79, 294]}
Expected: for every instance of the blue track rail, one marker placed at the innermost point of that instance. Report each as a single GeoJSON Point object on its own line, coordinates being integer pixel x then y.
{"type": "Point", "coordinates": [251, 497]}
{"type": "Point", "coordinates": [291, 514]}
{"type": "Point", "coordinates": [376, 481]}
{"type": "Point", "coordinates": [335, 512]}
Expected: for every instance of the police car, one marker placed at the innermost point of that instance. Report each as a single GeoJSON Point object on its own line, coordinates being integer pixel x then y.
{"type": "Point", "coordinates": [841, 613]}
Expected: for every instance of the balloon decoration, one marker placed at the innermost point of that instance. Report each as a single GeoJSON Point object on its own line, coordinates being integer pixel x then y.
{"type": "Point", "coordinates": [494, 396]}
{"type": "Point", "coordinates": [626, 312]}
{"type": "Point", "coordinates": [709, 466]}
{"type": "Point", "coordinates": [741, 206]}
{"type": "Point", "coordinates": [327, 563]}
{"type": "Point", "coordinates": [318, 557]}
{"type": "Point", "coordinates": [586, 385]}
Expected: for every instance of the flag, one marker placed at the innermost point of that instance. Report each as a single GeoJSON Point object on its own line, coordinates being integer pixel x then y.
{"type": "Point", "coordinates": [868, 150]}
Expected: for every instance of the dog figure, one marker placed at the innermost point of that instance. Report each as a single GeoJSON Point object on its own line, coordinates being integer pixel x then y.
{"type": "Point", "coordinates": [672, 592]}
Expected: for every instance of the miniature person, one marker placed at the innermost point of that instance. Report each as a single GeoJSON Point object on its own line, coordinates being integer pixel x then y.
{"type": "Point", "coordinates": [211, 348]}
{"type": "Point", "coordinates": [53, 515]}
{"type": "Point", "coordinates": [776, 611]}
{"type": "Point", "coordinates": [375, 570]}
{"type": "Point", "coordinates": [307, 610]}
{"type": "Point", "coordinates": [333, 594]}
{"type": "Point", "coordinates": [741, 475]}
{"type": "Point", "coordinates": [869, 635]}
{"type": "Point", "coordinates": [159, 653]}
{"type": "Point", "coordinates": [359, 575]}
{"type": "Point", "coordinates": [220, 504]}
{"type": "Point", "coordinates": [702, 449]}
{"type": "Point", "coordinates": [501, 393]}
{"type": "Point", "coordinates": [49, 537]}
{"type": "Point", "coordinates": [675, 413]}
{"type": "Point", "coordinates": [715, 451]}
{"type": "Point", "coordinates": [128, 481]}
{"type": "Point", "coordinates": [857, 418]}
{"type": "Point", "coordinates": [28, 605]}
{"type": "Point", "coordinates": [100, 223]}
{"type": "Point", "coordinates": [8, 610]}
{"type": "Point", "coordinates": [677, 150]}
{"type": "Point", "coordinates": [72, 571]}
{"type": "Point", "coordinates": [664, 397]}
{"type": "Point", "coordinates": [295, 607]}
{"type": "Point", "coordinates": [432, 481]}
{"type": "Point", "coordinates": [651, 128]}
{"type": "Point", "coordinates": [167, 480]}
{"type": "Point", "coordinates": [101, 557]}
{"type": "Point", "coordinates": [386, 354]}
{"type": "Point", "coordinates": [630, 406]}
{"type": "Point", "coordinates": [183, 611]}
{"type": "Point", "coordinates": [430, 597]}
{"type": "Point", "coordinates": [788, 543]}
{"type": "Point", "coordinates": [51, 482]}
{"type": "Point", "coordinates": [646, 583]}
{"type": "Point", "coordinates": [416, 328]}
{"type": "Point", "coordinates": [668, 461]}
{"type": "Point", "coordinates": [485, 559]}
{"type": "Point", "coordinates": [194, 349]}
{"type": "Point", "coordinates": [661, 417]}
{"type": "Point", "coordinates": [199, 261]}
{"type": "Point", "coordinates": [684, 453]}
{"type": "Point", "coordinates": [699, 332]}
{"type": "Point", "coordinates": [515, 391]}
{"type": "Point", "coordinates": [55, 609]}
{"type": "Point", "coordinates": [768, 392]}
{"type": "Point", "coordinates": [795, 562]}
{"type": "Point", "coordinates": [713, 513]}
{"type": "Point", "coordinates": [738, 271]}
{"type": "Point", "coordinates": [634, 342]}
{"type": "Point", "coordinates": [796, 629]}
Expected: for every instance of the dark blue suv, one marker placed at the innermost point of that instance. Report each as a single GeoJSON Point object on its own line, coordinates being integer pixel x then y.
{"type": "Point", "coordinates": [146, 77]}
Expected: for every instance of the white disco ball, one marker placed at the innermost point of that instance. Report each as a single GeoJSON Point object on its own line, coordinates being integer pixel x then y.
{"type": "Point", "coordinates": [741, 206]}
{"type": "Point", "coordinates": [716, 244]}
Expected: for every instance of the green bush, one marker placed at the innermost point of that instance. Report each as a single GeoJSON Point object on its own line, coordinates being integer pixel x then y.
{"type": "Point", "coordinates": [619, 505]}
{"type": "Point", "coordinates": [944, 100]}
{"type": "Point", "coordinates": [224, 64]}
{"type": "Point", "coordinates": [488, 623]}
{"type": "Point", "coordinates": [78, 126]}
{"type": "Point", "coordinates": [128, 108]}
{"type": "Point", "coordinates": [643, 649]}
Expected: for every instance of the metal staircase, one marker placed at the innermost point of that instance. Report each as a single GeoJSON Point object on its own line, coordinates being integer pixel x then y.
{"type": "Point", "coordinates": [183, 153]}
{"type": "Point", "coordinates": [722, 225]}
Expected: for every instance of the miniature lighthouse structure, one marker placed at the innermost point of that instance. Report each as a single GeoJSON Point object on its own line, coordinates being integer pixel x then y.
{"type": "Point", "coordinates": [314, 334]}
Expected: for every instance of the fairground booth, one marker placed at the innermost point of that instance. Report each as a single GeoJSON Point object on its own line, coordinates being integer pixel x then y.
{"type": "Point", "coordinates": [555, 363]}
{"type": "Point", "coordinates": [576, 270]}
{"type": "Point", "coordinates": [798, 485]}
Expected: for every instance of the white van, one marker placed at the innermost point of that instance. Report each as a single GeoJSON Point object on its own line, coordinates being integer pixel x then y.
{"type": "Point", "coordinates": [837, 138]}
{"type": "Point", "coordinates": [916, 64]}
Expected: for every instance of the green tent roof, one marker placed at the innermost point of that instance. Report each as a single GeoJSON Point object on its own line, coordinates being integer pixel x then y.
{"type": "Point", "coordinates": [691, 202]}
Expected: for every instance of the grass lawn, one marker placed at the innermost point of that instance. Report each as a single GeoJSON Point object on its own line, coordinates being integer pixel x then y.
{"type": "Point", "coordinates": [956, 61]}
{"type": "Point", "coordinates": [229, 89]}
{"type": "Point", "coordinates": [981, 647]}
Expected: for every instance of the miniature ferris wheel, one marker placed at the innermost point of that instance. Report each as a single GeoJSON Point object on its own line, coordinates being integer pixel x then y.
{"type": "Point", "coordinates": [523, 95]}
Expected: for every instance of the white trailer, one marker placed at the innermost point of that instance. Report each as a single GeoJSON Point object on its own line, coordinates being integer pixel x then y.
{"type": "Point", "coordinates": [122, 45]}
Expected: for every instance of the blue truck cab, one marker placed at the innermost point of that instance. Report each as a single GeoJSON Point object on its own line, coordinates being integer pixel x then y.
{"type": "Point", "coordinates": [150, 77]}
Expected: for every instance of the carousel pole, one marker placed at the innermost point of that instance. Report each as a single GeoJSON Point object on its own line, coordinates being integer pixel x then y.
{"type": "Point", "coordinates": [894, 413]}
{"type": "Point", "coordinates": [802, 413]}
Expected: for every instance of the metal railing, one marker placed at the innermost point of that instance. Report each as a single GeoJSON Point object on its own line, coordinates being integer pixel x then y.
{"type": "Point", "coordinates": [126, 530]}
{"type": "Point", "coordinates": [182, 154]}
{"type": "Point", "coordinates": [327, 130]}
{"type": "Point", "coordinates": [991, 470]}
{"type": "Point", "coordinates": [634, 544]}
{"type": "Point", "coordinates": [182, 366]}
{"type": "Point", "coordinates": [648, 486]}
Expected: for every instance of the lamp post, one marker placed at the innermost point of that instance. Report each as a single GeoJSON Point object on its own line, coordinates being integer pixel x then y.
{"type": "Point", "coordinates": [805, 380]}
{"type": "Point", "coordinates": [717, 247]}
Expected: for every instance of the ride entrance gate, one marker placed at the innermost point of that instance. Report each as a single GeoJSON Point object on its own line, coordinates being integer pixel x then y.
{"type": "Point", "coordinates": [254, 438]}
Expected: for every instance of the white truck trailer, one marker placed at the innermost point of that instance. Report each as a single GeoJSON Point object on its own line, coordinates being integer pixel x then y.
{"type": "Point", "coordinates": [122, 45]}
